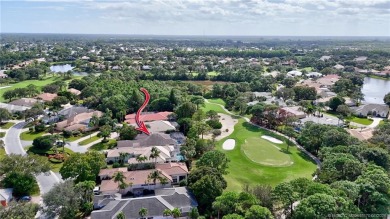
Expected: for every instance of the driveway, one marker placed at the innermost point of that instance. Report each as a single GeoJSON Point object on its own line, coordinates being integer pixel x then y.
{"type": "Point", "coordinates": [13, 145]}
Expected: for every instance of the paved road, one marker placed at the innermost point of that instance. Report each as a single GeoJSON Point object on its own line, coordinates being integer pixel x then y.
{"type": "Point", "coordinates": [13, 146]}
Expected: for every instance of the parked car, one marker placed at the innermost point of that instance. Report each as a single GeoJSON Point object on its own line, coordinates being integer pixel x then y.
{"type": "Point", "coordinates": [25, 198]}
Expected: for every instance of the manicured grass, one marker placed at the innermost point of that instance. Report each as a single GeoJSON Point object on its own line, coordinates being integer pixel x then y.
{"type": "Point", "coordinates": [210, 106]}
{"type": "Point", "coordinates": [30, 136]}
{"type": "Point", "coordinates": [7, 125]}
{"type": "Point", "coordinates": [53, 166]}
{"type": "Point", "coordinates": [89, 140]}
{"type": "Point", "coordinates": [2, 152]}
{"type": "Point", "coordinates": [362, 121]}
{"type": "Point", "coordinates": [102, 146]}
{"type": "Point", "coordinates": [244, 171]}
{"type": "Point", "coordinates": [2, 134]}
{"type": "Point", "coordinates": [211, 73]}
{"type": "Point", "coordinates": [218, 101]}
{"type": "Point", "coordinates": [264, 152]}
{"type": "Point", "coordinates": [308, 69]}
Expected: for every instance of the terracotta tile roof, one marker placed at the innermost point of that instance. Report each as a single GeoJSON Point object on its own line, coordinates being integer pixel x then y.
{"type": "Point", "coordinates": [172, 168]}
{"type": "Point", "coordinates": [77, 119]}
{"type": "Point", "coordinates": [148, 117]}
{"type": "Point", "coordinates": [46, 96]}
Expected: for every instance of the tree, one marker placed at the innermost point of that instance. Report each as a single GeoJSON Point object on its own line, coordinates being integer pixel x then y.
{"type": "Point", "coordinates": [127, 132]}
{"type": "Point", "coordinates": [185, 110]}
{"type": "Point", "coordinates": [105, 132]}
{"type": "Point", "coordinates": [44, 142]}
{"type": "Point", "coordinates": [19, 210]}
{"type": "Point", "coordinates": [155, 153]}
{"type": "Point", "coordinates": [194, 214]}
{"type": "Point", "coordinates": [143, 212]}
{"type": "Point", "coordinates": [206, 189]}
{"type": "Point", "coordinates": [335, 102]}
{"type": "Point", "coordinates": [386, 99]}
{"type": "Point", "coordinates": [4, 115]}
{"type": "Point", "coordinates": [32, 164]}
{"type": "Point", "coordinates": [305, 93]}
{"type": "Point", "coordinates": [285, 196]}
{"type": "Point", "coordinates": [167, 212]}
{"type": "Point", "coordinates": [22, 183]}
{"type": "Point", "coordinates": [214, 159]}
{"type": "Point", "coordinates": [9, 95]}
{"type": "Point", "coordinates": [258, 212]}
{"type": "Point", "coordinates": [67, 200]}
{"type": "Point", "coordinates": [212, 115]}
{"type": "Point", "coordinates": [58, 101]}
{"type": "Point", "coordinates": [233, 216]}
{"type": "Point", "coordinates": [83, 167]}
{"type": "Point", "coordinates": [120, 179]}
{"type": "Point", "coordinates": [188, 150]}
{"type": "Point", "coordinates": [344, 110]}
{"type": "Point", "coordinates": [121, 215]}
{"type": "Point", "coordinates": [176, 213]}
{"type": "Point", "coordinates": [197, 100]}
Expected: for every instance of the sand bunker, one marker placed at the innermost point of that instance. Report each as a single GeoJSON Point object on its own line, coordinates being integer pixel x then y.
{"type": "Point", "coordinates": [229, 144]}
{"type": "Point", "coordinates": [272, 139]}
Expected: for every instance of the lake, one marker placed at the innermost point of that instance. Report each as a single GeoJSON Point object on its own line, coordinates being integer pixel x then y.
{"type": "Point", "coordinates": [65, 68]}
{"type": "Point", "coordinates": [375, 89]}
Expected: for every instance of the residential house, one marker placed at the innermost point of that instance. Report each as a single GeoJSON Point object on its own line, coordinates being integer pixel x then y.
{"type": "Point", "coordinates": [3, 74]}
{"type": "Point", "coordinates": [78, 122]}
{"type": "Point", "coordinates": [46, 97]}
{"type": "Point", "coordinates": [148, 117]}
{"type": "Point", "coordinates": [294, 73]}
{"type": "Point", "coordinates": [314, 75]}
{"type": "Point", "coordinates": [146, 68]}
{"type": "Point", "coordinates": [166, 154]}
{"type": "Point", "coordinates": [27, 102]}
{"type": "Point", "coordinates": [376, 110]}
{"type": "Point", "coordinates": [360, 59]}
{"type": "Point", "coordinates": [66, 113]}
{"type": "Point", "coordinates": [5, 196]}
{"type": "Point", "coordinates": [159, 126]}
{"type": "Point", "coordinates": [292, 111]}
{"type": "Point", "coordinates": [139, 180]}
{"type": "Point", "coordinates": [338, 67]}
{"type": "Point", "coordinates": [13, 108]}
{"type": "Point", "coordinates": [74, 91]}
{"type": "Point", "coordinates": [167, 198]}
{"type": "Point", "coordinates": [155, 139]}
{"type": "Point", "coordinates": [325, 58]}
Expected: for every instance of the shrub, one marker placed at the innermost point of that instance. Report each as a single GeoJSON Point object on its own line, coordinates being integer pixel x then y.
{"type": "Point", "coordinates": [216, 132]}
{"type": "Point", "coordinates": [116, 165]}
{"type": "Point", "coordinates": [183, 182]}
{"type": "Point", "coordinates": [2, 134]}
{"type": "Point", "coordinates": [215, 124]}
{"type": "Point", "coordinates": [66, 133]}
{"type": "Point", "coordinates": [54, 160]}
{"type": "Point", "coordinates": [43, 142]}
{"type": "Point", "coordinates": [76, 133]}
{"type": "Point", "coordinates": [40, 128]}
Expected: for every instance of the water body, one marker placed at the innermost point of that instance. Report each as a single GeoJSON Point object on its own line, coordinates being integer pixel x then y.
{"type": "Point", "coordinates": [65, 68]}
{"type": "Point", "coordinates": [375, 89]}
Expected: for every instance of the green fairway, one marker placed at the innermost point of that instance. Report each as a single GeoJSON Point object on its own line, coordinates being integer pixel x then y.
{"type": "Point", "coordinates": [256, 173]}
{"type": "Point", "coordinates": [264, 152]}
{"type": "Point", "coordinates": [210, 106]}
{"type": "Point", "coordinates": [217, 100]}
{"type": "Point", "coordinates": [38, 83]}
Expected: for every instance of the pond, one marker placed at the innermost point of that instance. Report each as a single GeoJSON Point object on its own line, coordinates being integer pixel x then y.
{"type": "Point", "coordinates": [375, 89]}
{"type": "Point", "coordinates": [65, 68]}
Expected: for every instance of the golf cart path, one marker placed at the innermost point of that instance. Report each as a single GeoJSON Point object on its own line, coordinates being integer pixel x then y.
{"type": "Point", "coordinates": [318, 162]}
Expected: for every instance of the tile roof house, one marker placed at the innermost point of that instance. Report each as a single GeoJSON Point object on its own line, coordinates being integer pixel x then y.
{"type": "Point", "coordinates": [5, 196]}
{"type": "Point", "coordinates": [293, 111]}
{"type": "Point", "coordinates": [74, 91]}
{"type": "Point", "coordinates": [155, 139]}
{"type": "Point", "coordinates": [167, 153]}
{"type": "Point", "coordinates": [376, 110]}
{"type": "Point", "coordinates": [158, 126]}
{"type": "Point", "coordinates": [13, 108]}
{"type": "Point", "coordinates": [294, 73]}
{"type": "Point", "coordinates": [138, 180]}
{"type": "Point", "coordinates": [46, 97]}
{"type": "Point", "coordinates": [148, 117]}
{"type": "Point", "coordinates": [167, 198]}
{"type": "Point", "coordinates": [27, 102]}
{"type": "Point", "coordinates": [77, 122]}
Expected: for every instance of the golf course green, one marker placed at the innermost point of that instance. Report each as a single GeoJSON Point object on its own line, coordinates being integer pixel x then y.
{"type": "Point", "coordinates": [264, 152]}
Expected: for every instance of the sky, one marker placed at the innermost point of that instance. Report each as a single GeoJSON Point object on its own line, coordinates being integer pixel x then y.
{"type": "Point", "coordinates": [198, 17]}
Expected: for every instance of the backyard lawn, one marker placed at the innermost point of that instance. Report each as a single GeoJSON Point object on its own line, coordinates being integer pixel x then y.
{"type": "Point", "coordinates": [362, 121]}
{"type": "Point", "coordinates": [256, 173]}
{"type": "Point", "coordinates": [30, 136]}
{"type": "Point", "coordinates": [7, 125]}
{"type": "Point", "coordinates": [102, 146]}
{"type": "Point", "coordinates": [89, 140]}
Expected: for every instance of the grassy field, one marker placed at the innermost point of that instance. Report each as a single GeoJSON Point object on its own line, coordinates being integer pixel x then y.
{"type": "Point", "coordinates": [89, 140]}
{"type": "Point", "coordinates": [218, 101]}
{"type": "Point", "coordinates": [264, 152]}
{"type": "Point", "coordinates": [2, 153]}
{"type": "Point", "coordinates": [210, 106]}
{"type": "Point", "coordinates": [38, 83]}
{"type": "Point", "coordinates": [211, 73]}
{"type": "Point", "coordinates": [7, 125]}
{"type": "Point", "coordinates": [362, 121]}
{"type": "Point", "coordinates": [53, 166]}
{"type": "Point", "coordinates": [308, 69]}
{"type": "Point", "coordinates": [256, 173]}
{"type": "Point", "coordinates": [102, 146]}
{"type": "Point", "coordinates": [30, 136]}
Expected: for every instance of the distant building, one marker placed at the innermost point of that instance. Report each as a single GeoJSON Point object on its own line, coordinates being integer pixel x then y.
{"type": "Point", "coordinates": [13, 108]}
{"type": "Point", "coordinates": [27, 102]}
{"type": "Point", "coordinates": [314, 75]}
{"type": "Point", "coordinates": [294, 73]}
{"type": "Point", "coordinates": [376, 110]}
{"type": "Point", "coordinates": [148, 117]}
{"type": "Point", "coordinates": [325, 58]}
{"type": "Point", "coordinates": [5, 196]}
{"type": "Point", "coordinates": [46, 97]}
{"type": "Point", "coordinates": [292, 111]}
{"type": "Point", "coordinates": [338, 67]}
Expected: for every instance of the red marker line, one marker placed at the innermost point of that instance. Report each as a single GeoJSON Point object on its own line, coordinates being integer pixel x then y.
{"type": "Point", "coordinates": [141, 124]}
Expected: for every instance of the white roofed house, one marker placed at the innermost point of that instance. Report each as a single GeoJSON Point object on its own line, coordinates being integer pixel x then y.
{"type": "Point", "coordinates": [294, 73]}
{"type": "Point", "coordinates": [376, 110]}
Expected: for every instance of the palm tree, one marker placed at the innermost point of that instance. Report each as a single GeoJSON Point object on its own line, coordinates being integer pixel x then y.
{"type": "Point", "coordinates": [163, 181]}
{"type": "Point", "coordinates": [176, 213]}
{"type": "Point", "coordinates": [143, 212]}
{"type": "Point", "coordinates": [141, 159]}
{"type": "Point", "coordinates": [121, 215]}
{"type": "Point", "coordinates": [167, 212]}
{"type": "Point", "coordinates": [154, 154]}
{"type": "Point", "coordinates": [154, 176]}
{"type": "Point", "coordinates": [122, 157]}
{"type": "Point", "coordinates": [120, 178]}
